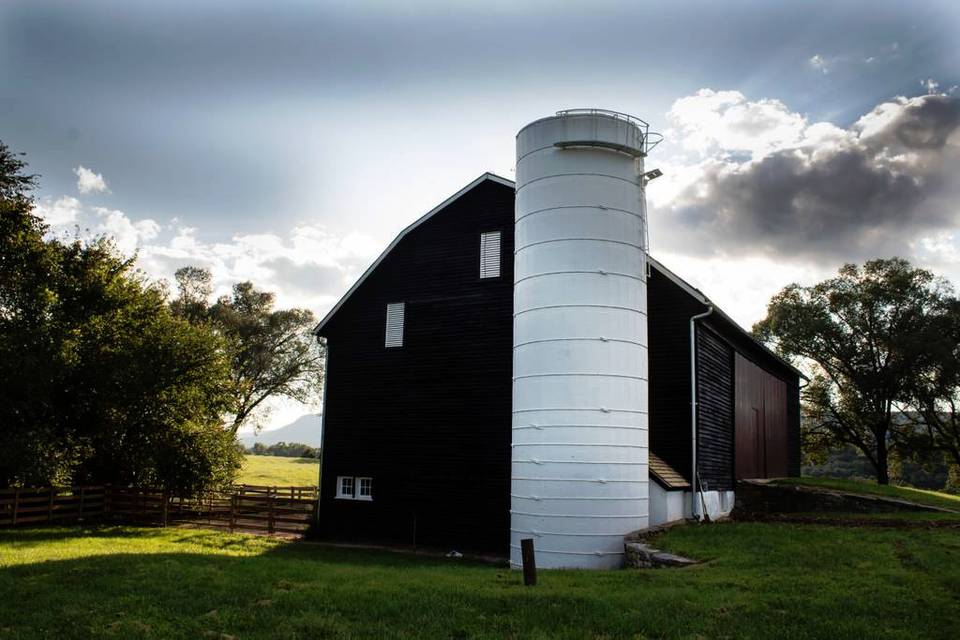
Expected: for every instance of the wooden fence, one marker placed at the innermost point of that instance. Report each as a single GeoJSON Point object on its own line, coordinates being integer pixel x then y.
{"type": "Point", "coordinates": [288, 510]}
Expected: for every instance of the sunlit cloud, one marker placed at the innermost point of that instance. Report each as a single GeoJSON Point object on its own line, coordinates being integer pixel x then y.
{"type": "Point", "coordinates": [89, 182]}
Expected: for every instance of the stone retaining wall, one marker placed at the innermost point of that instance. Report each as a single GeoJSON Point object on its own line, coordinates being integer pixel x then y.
{"type": "Point", "coordinates": [759, 498]}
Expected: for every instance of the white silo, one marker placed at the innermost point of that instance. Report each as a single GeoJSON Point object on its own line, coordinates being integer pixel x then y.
{"type": "Point", "coordinates": [579, 461]}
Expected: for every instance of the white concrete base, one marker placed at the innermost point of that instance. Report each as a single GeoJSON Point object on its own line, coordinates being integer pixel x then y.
{"type": "Point", "coordinates": [719, 503]}
{"type": "Point", "coordinates": [670, 506]}
{"type": "Point", "coordinates": [667, 506]}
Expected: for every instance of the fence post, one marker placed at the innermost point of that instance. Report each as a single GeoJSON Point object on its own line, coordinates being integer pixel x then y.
{"type": "Point", "coordinates": [16, 505]}
{"type": "Point", "coordinates": [271, 497]}
{"type": "Point", "coordinates": [80, 515]}
{"type": "Point", "coordinates": [166, 497]}
{"type": "Point", "coordinates": [233, 511]}
{"type": "Point", "coordinates": [529, 562]}
{"type": "Point", "coordinates": [50, 510]}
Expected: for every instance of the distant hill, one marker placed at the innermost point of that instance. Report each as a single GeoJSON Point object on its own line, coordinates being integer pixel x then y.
{"type": "Point", "coordinates": [305, 430]}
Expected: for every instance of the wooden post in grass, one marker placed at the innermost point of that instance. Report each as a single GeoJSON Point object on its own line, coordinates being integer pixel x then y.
{"type": "Point", "coordinates": [529, 562]}
{"type": "Point", "coordinates": [50, 510]}
{"type": "Point", "coordinates": [16, 505]}
{"type": "Point", "coordinates": [166, 497]}
{"type": "Point", "coordinates": [233, 511]}
{"type": "Point", "coordinates": [271, 498]}
{"type": "Point", "coordinates": [80, 515]}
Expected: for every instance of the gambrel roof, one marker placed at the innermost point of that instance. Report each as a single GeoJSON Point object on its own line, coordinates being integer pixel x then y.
{"type": "Point", "coordinates": [683, 284]}
{"type": "Point", "coordinates": [437, 209]}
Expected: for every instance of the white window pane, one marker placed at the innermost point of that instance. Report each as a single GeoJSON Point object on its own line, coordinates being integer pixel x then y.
{"type": "Point", "coordinates": [490, 254]}
{"type": "Point", "coordinates": [365, 488]}
{"type": "Point", "coordinates": [345, 487]}
{"type": "Point", "coordinates": [394, 332]}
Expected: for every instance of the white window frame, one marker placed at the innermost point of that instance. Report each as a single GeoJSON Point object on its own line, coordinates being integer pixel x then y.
{"type": "Point", "coordinates": [395, 321]}
{"type": "Point", "coordinates": [487, 266]}
{"type": "Point", "coordinates": [358, 485]}
{"type": "Point", "coordinates": [354, 494]}
{"type": "Point", "coordinates": [353, 487]}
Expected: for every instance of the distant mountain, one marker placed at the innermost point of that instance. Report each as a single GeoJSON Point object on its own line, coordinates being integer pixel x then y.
{"type": "Point", "coordinates": [305, 430]}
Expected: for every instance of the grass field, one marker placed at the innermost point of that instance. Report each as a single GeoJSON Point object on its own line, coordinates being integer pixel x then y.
{"type": "Point", "coordinates": [922, 496]}
{"type": "Point", "coordinates": [277, 471]}
{"type": "Point", "coordinates": [759, 580]}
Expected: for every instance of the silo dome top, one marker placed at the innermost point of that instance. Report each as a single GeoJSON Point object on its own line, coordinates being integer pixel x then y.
{"type": "Point", "coordinates": [589, 128]}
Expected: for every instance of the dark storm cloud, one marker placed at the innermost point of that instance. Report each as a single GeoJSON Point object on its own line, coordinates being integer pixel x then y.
{"type": "Point", "coordinates": [887, 182]}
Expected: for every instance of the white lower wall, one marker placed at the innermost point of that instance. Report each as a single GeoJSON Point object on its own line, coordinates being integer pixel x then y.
{"type": "Point", "coordinates": [670, 506]}
{"type": "Point", "coordinates": [719, 503]}
{"type": "Point", "coordinates": [667, 506]}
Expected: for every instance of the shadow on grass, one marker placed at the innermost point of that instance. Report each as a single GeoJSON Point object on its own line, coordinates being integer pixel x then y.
{"type": "Point", "coordinates": [307, 461]}
{"type": "Point", "coordinates": [765, 581]}
{"type": "Point", "coordinates": [27, 536]}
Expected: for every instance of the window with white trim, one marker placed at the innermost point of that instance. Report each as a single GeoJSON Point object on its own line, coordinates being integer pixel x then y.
{"type": "Point", "coordinates": [490, 254]}
{"type": "Point", "coordinates": [351, 488]}
{"type": "Point", "coordinates": [394, 330]}
{"type": "Point", "coordinates": [364, 489]}
{"type": "Point", "coordinates": [345, 487]}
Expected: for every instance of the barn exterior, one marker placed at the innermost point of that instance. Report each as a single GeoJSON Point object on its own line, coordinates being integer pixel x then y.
{"type": "Point", "coordinates": [430, 436]}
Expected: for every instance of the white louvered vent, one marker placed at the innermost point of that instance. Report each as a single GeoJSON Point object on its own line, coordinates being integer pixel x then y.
{"type": "Point", "coordinates": [490, 254]}
{"type": "Point", "coordinates": [394, 333]}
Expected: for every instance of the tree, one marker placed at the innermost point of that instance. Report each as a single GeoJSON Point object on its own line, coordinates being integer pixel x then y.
{"type": "Point", "coordinates": [934, 396]}
{"type": "Point", "coordinates": [101, 382]}
{"type": "Point", "coordinates": [272, 353]}
{"type": "Point", "coordinates": [865, 335]}
{"type": "Point", "coordinates": [14, 183]}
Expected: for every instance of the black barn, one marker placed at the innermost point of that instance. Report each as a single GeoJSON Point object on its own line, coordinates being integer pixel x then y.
{"type": "Point", "coordinates": [417, 405]}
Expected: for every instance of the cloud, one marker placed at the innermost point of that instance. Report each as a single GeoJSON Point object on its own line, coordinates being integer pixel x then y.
{"type": "Point", "coordinates": [768, 182]}
{"type": "Point", "coordinates": [89, 182]}
{"type": "Point", "coordinates": [710, 122]}
{"type": "Point", "coordinates": [62, 212]}
{"type": "Point", "coordinates": [127, 234]}
{"type": "Point", "coordinates": [820, 63]}
{"type": "Point", "coordinates": [930, 85]}
{"type": "Point", "coordinates": [306, 267]}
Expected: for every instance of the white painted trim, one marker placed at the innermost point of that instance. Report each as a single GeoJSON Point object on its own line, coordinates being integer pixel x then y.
{"type": "Point", "coordinates": [341, 495]}
{"type": "Point", "coordinates": [357, 483]}
{"type": "Point", "coordinates": [437, 209]}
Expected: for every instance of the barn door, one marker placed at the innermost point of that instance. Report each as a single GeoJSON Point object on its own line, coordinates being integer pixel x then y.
{"type": "Point", "coordinates": [760, 442]}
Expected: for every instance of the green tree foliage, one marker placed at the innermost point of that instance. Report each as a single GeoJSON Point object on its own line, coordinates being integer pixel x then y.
{"type": "Point", "coordinates": [285, 450]}
{"type": "Point", "coordinates": [101, 381]}
{"type": "Point", "coordinates": [14, 183]}
{"type": "Point", "coordinates": [272, 352]}
{"type": "Point", "coordinates": [865, 334]}
{"type": "Point", "coordinates": [934, 396]}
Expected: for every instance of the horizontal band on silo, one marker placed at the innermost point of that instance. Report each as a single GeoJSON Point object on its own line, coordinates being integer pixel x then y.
{"type": "Point", "coordinates": [592, 207]}
{"type": "Point", "coordinates": [558, 176]}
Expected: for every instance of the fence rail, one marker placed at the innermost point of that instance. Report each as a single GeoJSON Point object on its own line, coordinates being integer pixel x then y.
{"type": "Point", "coordinates": [270, 509]}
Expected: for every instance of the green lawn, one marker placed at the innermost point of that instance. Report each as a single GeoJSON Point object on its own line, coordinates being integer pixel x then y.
{"type": "Point", "coordinates": [277, 471]}
{"type": "Point", "coordinates": [922, 496]}
{"type": "Point", "coordinates": [760, 580]}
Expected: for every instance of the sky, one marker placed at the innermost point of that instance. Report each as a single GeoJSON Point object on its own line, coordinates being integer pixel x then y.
{"type": "Point", "coordinates": [287, 143]}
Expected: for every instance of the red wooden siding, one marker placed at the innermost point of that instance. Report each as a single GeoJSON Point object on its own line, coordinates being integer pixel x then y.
{"type": "Point", "coordinates": [761, 422]}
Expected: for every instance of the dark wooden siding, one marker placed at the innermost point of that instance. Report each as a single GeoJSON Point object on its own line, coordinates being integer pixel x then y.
{"type": "Point", "coordinates": [669, 309]}
{"type": "Point", "coordinates": [714, 410]}
{"type": "Point", "coordinates": [430, 421]}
